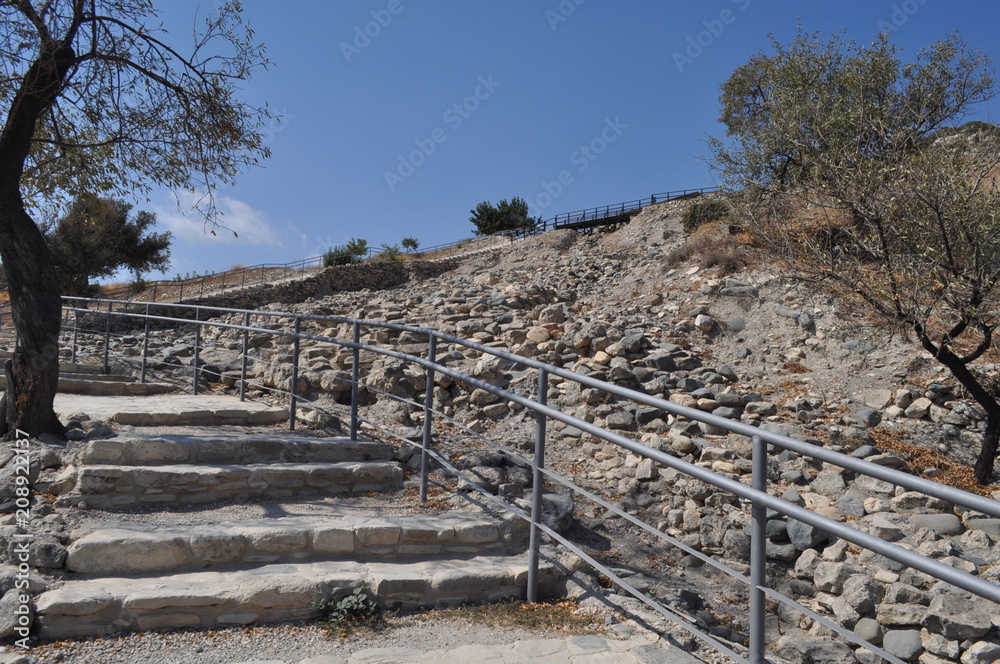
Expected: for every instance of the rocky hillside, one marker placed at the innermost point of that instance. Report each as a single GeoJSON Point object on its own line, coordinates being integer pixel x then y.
{"type": "Point", "coordinates": [704, 322]}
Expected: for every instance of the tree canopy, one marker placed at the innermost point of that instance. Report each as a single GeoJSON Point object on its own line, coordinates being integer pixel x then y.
{"type": "Point", "coordinates": [853, 167]}
{"type": "Point", "coordinates": [505, 216]}
{"type": "Point", "coordinates": [97, 237]}
{"type": "Point", "coordinates": [95, 100]}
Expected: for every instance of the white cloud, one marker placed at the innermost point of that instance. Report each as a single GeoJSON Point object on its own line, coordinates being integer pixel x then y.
{"type": "Point", "coordinates": [249, 225]}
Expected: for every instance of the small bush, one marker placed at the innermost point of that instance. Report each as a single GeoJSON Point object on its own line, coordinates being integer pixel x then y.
{"type": "Point", "coordinates": [338, 255]}
{"type": "Point", "coordinates": [357, 247]}
{"type": "Point", "coordinates": [410, 243]}
{"type": "Point", "coordinates": [138, 285]}
{"type": "Point", "coordinates": [704, 212]}
{"type": "Point", "coordinates": [709, 249]}
{"type": "Point", "coordinates": [390, 252]}
{"type": "Point", "coordinates": [356, 612]}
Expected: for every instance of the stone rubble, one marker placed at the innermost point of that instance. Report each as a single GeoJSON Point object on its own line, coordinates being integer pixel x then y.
{"type": "Point", "coordinates": [754, 347]}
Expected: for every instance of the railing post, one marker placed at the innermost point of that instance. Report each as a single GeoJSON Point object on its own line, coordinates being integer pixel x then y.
{"type": "Point", "coordinates": [107, 339]}
{"type": "Point", "coordinates": [246, 354]}
{"type": "Point", "coordinates": [294, 387]}
{"type": "Point", "coordinates": [758, 554]}
{"type": "Point", "coordinates": [355, 377]}
{"type": "Point", "coordinates": [536, 492]}
{"type": "Point", "coordinates": [155, 284]}
{"type": "Point", "coordinates": [180, 298]}
{"type": "Point", "coordinates": [197, 350]}
{"type": "Point", "coordinates": [76, 332]}
{"type": "Point", "coordinates": [145, 347]}
{"type": "Point", "coordinates": [428, 407]}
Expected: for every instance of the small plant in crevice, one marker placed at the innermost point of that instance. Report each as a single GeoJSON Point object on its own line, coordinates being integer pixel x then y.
{"type": "Point", "coordinates": [355, 613]}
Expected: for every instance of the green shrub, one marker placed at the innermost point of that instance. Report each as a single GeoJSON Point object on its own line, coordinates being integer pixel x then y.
{"type": "Point", "coordinates": [357, 247]}
{"type": "Point", "coordinates": [704, 212]}
{"type": "Point", "coordinates": [410, 243]}
{"type": "Point", "coordinates": [355, 612]}
{"type": "Point", "coordinates": [390, 252]}
{"type": "Point", "coordinates": [138, 285]}
{"type": "Point", "coordinates": [338, 255]}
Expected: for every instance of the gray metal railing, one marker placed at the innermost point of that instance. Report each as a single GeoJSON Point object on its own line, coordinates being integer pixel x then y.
{"type": "Point", "coordinates": [138, 316]}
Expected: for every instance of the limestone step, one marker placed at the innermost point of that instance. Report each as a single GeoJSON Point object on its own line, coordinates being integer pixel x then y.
{"type": "Point", "coordinates": [130, 450]}
{"type": "Point", "coordinates": [109, 387]}
{"type": "Point", "coordinates": [172, 409]}
{"type": "Point", "coordinates": [130, 549]}
{"type": "Point", "coordinates": [272, 593]}
{"type": "Point", "coordinates": [115, 486]}
{"type": "Point", "coordinates": [102, 377]}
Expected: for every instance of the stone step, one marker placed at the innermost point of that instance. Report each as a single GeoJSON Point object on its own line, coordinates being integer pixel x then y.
{"type": "Point", "coordinates": [109, 387]}
{"type": "Point", "coordinates": [101, 377]}
{"type": "Point", "coordinates": [272, 593]}
{"type": "Point", "coordinates": [172, 409]}
{"type": "Point", "coordinates": [126, 549]}
{"type": "Point", "coordinates": [129, 450]}
{"type": "Point", "coordinates": [114, 486]}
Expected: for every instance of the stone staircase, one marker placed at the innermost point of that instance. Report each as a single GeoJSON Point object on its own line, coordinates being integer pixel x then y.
{"type": "Point", "coordinates": [91, 379]}
{"type": "Point", "coordinates": [124, 576]}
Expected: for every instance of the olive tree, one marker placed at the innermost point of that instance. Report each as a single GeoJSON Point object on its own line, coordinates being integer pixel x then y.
{"type": "Point", "coordinates": [852, 167]}
{"type": "Point", "coordinates": [95, 100]}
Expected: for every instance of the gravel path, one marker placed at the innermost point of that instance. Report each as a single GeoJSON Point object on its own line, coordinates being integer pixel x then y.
{"type": "Point", "coordinates": [295, 643]}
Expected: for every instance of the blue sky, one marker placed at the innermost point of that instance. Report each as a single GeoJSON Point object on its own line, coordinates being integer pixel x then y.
{"type": "Point", "coordinates": [446, 103]}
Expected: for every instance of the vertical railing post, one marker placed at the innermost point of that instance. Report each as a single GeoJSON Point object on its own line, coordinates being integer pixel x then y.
{"type": "Point", "coordinates": [428, 415]}
{"type": "Point", "coordinates": [197, 350]}
{"type": "Point", "coordinates": [294, 387]}
{"type": "Point", "coordinates": [243, 281]}
{"type": "Point", "coordinates": [145, 347]}
{"type": "Point", "coordinates": [155, 284]}
{"type": "Point", "coordinates": [180, 298]}
{"type": "Point", "coordinates": [758, 553]}
{"type": "Point", "coordinates": [107, 339]}
{"type": "Point", "coordinates": [246, 354]}
{"type": "Point", "coordinates": [536, 489]}
{"type": "Point", "coordinates": [355, 377]}
{"type": "Point", "coordinates": [76, 334]}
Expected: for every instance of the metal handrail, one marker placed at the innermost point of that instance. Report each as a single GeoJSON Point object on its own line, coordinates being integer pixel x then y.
{"type": "Point", "coordinates": [601, 212]}
{"type": "Point", "coordinates": [756, 494]}
{"type": "Point", "coordinates": [236, 276]}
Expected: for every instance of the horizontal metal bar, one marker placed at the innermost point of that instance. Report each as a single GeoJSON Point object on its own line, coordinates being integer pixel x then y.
{"type": "Point", "coordinates": [950, 494]}
{"type": "Point", "coordinates": [895, 552]}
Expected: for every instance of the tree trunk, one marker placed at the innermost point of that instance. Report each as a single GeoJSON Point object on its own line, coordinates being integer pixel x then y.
{"type": "Point", "coordinates": [988, 449]}
{"type": "Point", "coordinates": [36, 309]}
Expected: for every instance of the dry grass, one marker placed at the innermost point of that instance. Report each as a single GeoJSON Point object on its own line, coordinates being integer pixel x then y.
{"type": "Point", "coordinates": [711, 247]}
{"type": "Point", "coordinates": [797, 367]}
{"type": "Point", "coordinates": [952, 473]}
{"type": "Point", "coordinates": [561, 615]}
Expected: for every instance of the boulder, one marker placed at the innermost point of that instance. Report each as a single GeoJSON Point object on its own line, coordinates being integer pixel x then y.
{"type": "Point", "coordinates": [957, 618]}
{"type": "Point", "coordinates": [903, 643]}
